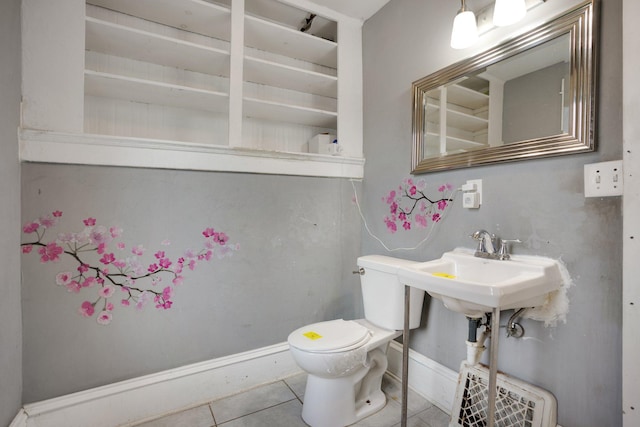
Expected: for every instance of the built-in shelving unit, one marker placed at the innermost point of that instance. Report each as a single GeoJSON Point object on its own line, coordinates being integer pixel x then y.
{"type": "Point", "coordinates": [457, 117]}
{"type": "Point", "coordinates": [161, 75]}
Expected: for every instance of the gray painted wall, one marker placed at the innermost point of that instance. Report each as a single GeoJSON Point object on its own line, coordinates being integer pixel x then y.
{"type": "Point", "coordinates": [539, 201]}
{"type": "Point", "coordinates": [299, 239]}
{"type": "Point", "coordinates": [10, 315]}
{"type": "Point", "coordinates": [533, 104]}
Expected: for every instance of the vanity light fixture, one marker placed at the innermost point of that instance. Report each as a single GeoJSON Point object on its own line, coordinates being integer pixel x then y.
{"type": "Point", "coordinates": [507, 12]}
{"type": "Point", "coordinates": [465, 28]}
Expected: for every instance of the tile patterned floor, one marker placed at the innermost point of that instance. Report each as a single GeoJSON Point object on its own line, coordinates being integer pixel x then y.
{"type": "Point", "coordinates": [279, 404]}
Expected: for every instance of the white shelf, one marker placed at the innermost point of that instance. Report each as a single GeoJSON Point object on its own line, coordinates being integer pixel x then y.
{"type": "Point", "coordinates": [466, 122]}
{"type": "Point", "coordinates": [196, 16]}
{"type": "Point", "coordinates": [466, 97]}
{"type": "Point", "coordinates": [119, 40]}
{"type": "Point", "coordinates": [262, 71]}
{"type": "Point", "coordinates": [457, 144]}
{"type": "Point", "coordinates": [275, 38]}
{"type": "Point", "coordinates": [276, 111]}
{"type": "Point", "coordinates": [57, 147]}
{"type": "Point", "coordinates": [146, 91]}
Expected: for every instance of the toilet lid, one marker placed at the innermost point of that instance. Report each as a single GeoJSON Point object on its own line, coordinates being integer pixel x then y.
{"type": "Point", "coordinates": [332, 335]}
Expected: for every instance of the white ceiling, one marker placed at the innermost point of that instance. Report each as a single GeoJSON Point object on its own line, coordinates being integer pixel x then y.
{"type": "Point", "coordinates": [360, 9]}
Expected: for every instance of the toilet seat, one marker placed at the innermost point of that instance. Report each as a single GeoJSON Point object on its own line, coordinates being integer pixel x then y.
{"type": "Point", "coordinates": [332, 336]}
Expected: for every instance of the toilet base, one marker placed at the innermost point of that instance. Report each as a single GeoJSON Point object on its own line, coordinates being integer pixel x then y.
{"type": "Point", "coordinates": [335, 402]}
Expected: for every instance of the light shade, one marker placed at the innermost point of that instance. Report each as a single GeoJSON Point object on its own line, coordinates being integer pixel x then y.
{"type": "Point", "coordinates": [507, 12]}
{"type": "Point", "coordinates": [465, 30]}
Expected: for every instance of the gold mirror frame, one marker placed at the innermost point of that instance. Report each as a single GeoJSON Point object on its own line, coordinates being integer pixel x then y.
{"type": "Point", "coordinates": [580, 24]}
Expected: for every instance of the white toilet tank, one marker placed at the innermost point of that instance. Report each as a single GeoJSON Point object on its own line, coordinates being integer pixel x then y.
{"type": "Point", "coordinates": [383, 295]}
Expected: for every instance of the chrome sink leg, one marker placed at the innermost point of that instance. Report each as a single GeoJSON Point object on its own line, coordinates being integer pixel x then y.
{"type": "Point", "coordinates": [405, 356]}
{"type": "Point", "coordinates": [493, 368]}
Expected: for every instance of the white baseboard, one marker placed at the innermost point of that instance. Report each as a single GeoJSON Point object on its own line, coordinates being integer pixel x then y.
{"type": "Point", "coordinates": [19, 420]}
{"type": "Point", "coordinates": [431, 380]}
{"type": "Point", "coordinates": [165, 392]}
{"type": "Point", "coordinates": [154, 395]}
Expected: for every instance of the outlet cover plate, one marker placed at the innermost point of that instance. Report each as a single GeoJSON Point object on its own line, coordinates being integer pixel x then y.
{"type": "Point", "coordinates": [603, 179]}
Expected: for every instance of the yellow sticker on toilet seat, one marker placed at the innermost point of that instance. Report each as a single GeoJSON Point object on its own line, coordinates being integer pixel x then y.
{"type": "Point", "coordinates": [445, 275]}
{"type": "Point", "coordinates": [312, 335]}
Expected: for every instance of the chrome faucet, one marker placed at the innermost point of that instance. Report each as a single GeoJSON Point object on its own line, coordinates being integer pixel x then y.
{"type": "Point", "coordinates": [487, 244]}
{"type": "Point", "coordinates": [486, 241]}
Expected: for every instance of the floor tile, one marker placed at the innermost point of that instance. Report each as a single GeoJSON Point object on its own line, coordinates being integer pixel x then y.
{"type": "Point", "coordinates": [196, 417]}
{"type": "Point", "coordinates": [278, 405]}
{"type": "Point", "coordinates": [393, 390]}
{"type": "Point", "coordinates": [414, 421]}
{"type": "Point", "coordinates": [386, 417]}
{"type": "Point", "coordinates": [434, 417]}
{"type": "Point", "coordinates": [297, 383]}
{"type": "Point", "coordinates": [251, 401]}
{"type": "Point", "coordinates": [283, 415]}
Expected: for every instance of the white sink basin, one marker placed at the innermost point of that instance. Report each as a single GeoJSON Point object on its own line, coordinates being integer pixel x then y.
{"type": "Point", "coordinates": [474, 286]}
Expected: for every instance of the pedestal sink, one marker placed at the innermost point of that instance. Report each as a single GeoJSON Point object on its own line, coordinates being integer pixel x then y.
{"type": "Point", "coordinates": [474, 286]}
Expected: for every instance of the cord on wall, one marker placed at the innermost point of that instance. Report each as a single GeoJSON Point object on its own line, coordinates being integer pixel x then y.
{"type": "Point", "coordinates": [451, 197]}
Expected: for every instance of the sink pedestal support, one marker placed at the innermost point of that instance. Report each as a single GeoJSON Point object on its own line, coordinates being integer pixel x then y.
{"type": "Point", "coordinates": [405, 356]}
{"type": "Point", "coordinates": [493, 368]}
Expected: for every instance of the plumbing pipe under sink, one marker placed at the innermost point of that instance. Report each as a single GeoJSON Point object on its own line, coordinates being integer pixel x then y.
{"type": "Point", "coordinates": [475, 349]}
{"type": "Point", "coordinates": [475, 341]}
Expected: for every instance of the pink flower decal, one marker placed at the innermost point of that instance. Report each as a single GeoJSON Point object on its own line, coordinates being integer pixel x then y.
{"type": "Point", "coordinates": [104, 318]}
{"type": "Point", "coordinates": [137, 250]}
{"type": "Point", "coordinates": [107, 259]}
{"type": "Point", "coordinates": [31, 227]}
{"type": "Point", "coordinates": [48, 221]}
{"type": "Point", "coordinates": [89, 282]}
{"type": "Point", "coordinates": [62, 279]}
{"type": "Point", "coordinates": [107, 291]}
{"type": "Point", "coordinates": [410, 205]}
{"type": "Point", "coordinates": [421, 220]}
{"type": "Point", "coordinates": [50, 252]}
{"type": "Point", "coordinates": [137, 279]}
{"type": "Point", "coordinates": [86, 309]}
{"type": "Point", "coordinates": [74, 286]}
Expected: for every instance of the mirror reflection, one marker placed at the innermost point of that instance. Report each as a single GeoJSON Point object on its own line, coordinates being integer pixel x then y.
{"type": "Point", "coordinates": [529, 97]}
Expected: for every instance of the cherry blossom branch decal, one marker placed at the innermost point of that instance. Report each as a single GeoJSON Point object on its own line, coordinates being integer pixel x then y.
{"type": "Point", "coordinates": [100, 268]}
{"type": "Point", "coordinates": [409, 205]}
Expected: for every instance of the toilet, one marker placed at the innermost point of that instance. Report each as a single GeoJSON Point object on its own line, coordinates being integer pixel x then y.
{"type": "Point", "coordinates": [346, 359]}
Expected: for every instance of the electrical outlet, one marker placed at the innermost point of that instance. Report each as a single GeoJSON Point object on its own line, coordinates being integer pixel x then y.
{"type": "Point", "coordinates": [603, 179]}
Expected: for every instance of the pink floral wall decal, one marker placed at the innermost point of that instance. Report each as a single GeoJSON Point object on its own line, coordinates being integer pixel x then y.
{"type": "Point", "coordinates": [120, 273]}
{"type": "Point", "coordinates": [410, 206]}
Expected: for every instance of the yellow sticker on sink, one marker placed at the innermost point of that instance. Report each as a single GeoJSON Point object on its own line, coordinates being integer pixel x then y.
{"type": "Point", "coordinates": [312, 335]}
{"type": "Point", "coordinates": [445, 275]}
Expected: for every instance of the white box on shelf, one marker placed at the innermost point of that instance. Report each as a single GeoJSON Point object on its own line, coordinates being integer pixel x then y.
{"type": "Point", "coordinates": [324, 143]}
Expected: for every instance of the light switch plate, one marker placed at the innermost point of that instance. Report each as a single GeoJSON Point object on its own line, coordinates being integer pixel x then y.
{"type": "Point", "coordinates": [603, 179]}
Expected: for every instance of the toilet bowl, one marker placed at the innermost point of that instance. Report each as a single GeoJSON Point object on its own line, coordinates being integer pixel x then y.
{"type": "Point", "coordinates": [346, 359]}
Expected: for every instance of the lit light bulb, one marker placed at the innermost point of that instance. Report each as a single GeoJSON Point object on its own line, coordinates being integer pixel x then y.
{"type": "Point", "coordinates": [465, 29]}
{"type": "Point", "coordinates": [507, 12]}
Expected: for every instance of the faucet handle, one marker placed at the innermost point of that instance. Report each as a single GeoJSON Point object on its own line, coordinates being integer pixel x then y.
{"type": "Point", "coordinates": [503, 252]}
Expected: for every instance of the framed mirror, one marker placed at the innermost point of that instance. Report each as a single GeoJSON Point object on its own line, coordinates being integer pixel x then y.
{"type": "Point", "coordinates": [532, 96]}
